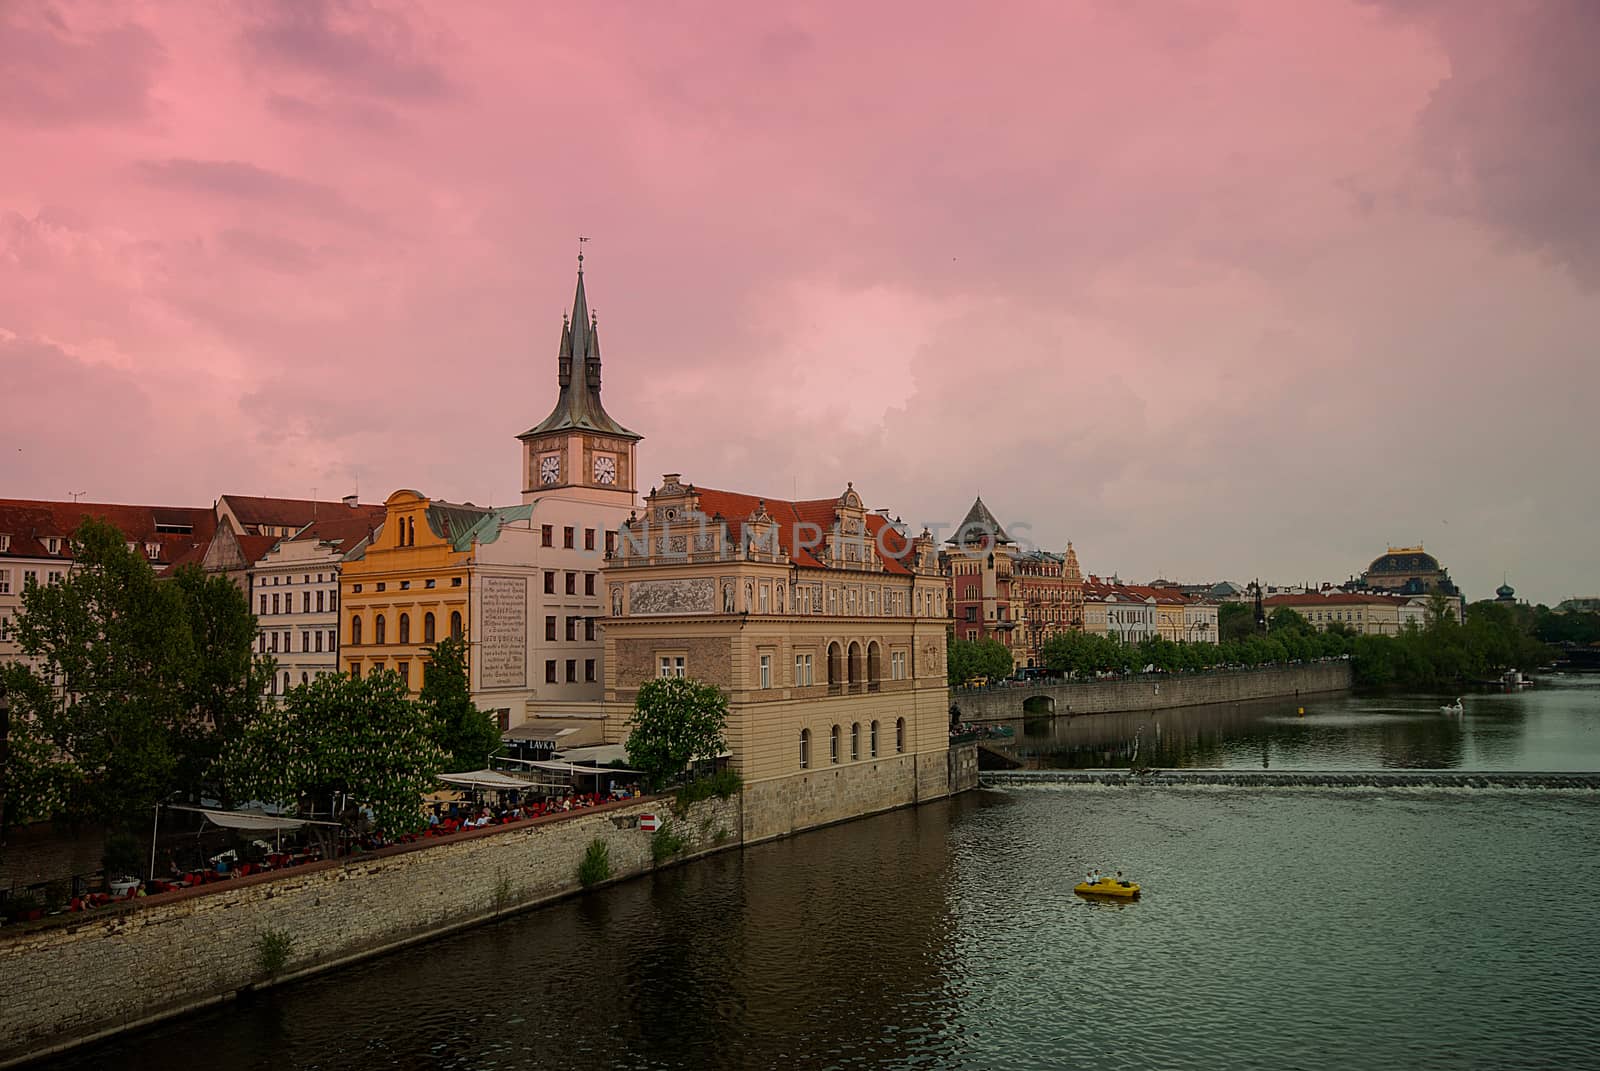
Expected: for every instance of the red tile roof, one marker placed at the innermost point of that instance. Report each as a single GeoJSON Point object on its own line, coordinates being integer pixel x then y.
{"type": "Point", "coordinates": [255, 547]}
{"type": "Point", "coordinates": [343, 532]}
{"type": "Point", "coordinates": [1312, 598]}
{"type": "Point", "coordinates": [293, 512]}
{"type": "Point", "coordinates": [736, 508]}
{"type": "Point", "coordinates": [30, 522]}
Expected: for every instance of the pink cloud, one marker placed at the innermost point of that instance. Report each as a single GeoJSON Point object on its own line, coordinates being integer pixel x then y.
{"type": "Point", "coordinates": [1212, 290]}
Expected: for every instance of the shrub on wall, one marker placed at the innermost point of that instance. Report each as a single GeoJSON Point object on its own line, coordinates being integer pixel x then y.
{"type": "Point", "coordinates": [272, 951]}
{"type": "Point", "coordinates": [596, 865]}
{"type": "Point", "coordinates": [667, 842]}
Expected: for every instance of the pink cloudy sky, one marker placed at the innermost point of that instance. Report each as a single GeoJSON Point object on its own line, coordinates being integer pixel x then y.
{"type": "Point", "coordinates": [1212, 289]}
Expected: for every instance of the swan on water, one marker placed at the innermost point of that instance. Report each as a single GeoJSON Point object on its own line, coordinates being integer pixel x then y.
{"type": "Point", "coordinates": [1456, 709]}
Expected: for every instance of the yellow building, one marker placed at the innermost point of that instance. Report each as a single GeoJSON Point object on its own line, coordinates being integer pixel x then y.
{"type": "Point", "coordinates": [825, 626]}
{"type": "Point", "coordinates": [409, 588]}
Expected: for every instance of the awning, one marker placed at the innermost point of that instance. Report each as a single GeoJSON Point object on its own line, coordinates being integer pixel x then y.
{"type": "Point", "coordinates": [599, 754]}
{"type": "Point", "coordinates": [569, 768]}
{"type": "Point", "coordinates": [557, 732]}
{"type": "Point", "coordinates": [252, 821]}
{"type": "Point", "coordinates": [486, 779]}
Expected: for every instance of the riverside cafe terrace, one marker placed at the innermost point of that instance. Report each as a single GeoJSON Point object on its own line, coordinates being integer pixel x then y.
{"type": "Point", "coordinates": [230, 844]}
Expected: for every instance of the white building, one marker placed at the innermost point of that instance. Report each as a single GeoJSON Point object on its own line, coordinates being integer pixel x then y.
{"type": "Point", "coordinates": [295, 593]}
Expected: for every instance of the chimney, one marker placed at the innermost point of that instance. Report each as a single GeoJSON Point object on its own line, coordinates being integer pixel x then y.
{"type": "Point", "coordinates": [350, 500]}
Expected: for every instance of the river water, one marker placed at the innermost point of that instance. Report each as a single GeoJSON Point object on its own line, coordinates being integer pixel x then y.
{"type": "Point", "coordinates": [1281, 928]}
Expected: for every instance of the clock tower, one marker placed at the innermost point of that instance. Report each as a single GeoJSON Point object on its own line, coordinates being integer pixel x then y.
{"type": "Point", "coordinates": [578, 452]}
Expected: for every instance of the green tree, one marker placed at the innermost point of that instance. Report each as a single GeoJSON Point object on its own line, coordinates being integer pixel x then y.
{"type": "Point", "coordinates": [676, 721]}
{"type": "Point", "coordinates": [132, 680]}
{"type": "Point", "coordinates": [1236, 620]}
{"type": "Point", "coordinates": [363, 737]}
{"type": "Point", "coordinates": [969, 659]}
{"type": "Point", "coordinates": [463, 732]}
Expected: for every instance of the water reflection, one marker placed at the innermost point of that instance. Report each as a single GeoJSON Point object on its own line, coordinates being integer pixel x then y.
{"type": "Point", "coordinates": [1555, 727]}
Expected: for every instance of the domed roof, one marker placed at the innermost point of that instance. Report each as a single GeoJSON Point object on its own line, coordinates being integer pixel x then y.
{"type": "Point", "coordinates": [1505, 591]}
{"type": "Point", "coordinates": [1404, 561]}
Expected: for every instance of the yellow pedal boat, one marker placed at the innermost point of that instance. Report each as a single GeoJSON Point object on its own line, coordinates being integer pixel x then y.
{"type": "Point", "coordinates": [1127, 890]}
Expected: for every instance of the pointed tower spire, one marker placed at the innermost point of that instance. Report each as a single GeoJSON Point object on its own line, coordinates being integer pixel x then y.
{"type": "Point", "coordinates": [578, 406]}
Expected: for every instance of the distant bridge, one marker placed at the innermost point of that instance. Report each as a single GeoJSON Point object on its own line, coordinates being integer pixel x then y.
{"type": "Point", "coordinates": [1522, 779]}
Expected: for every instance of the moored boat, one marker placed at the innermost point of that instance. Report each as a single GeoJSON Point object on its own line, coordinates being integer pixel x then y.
{"type": "Point", "coordinates": [1117, 887]}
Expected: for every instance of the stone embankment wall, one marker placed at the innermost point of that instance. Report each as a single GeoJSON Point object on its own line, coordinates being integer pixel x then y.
{"type": "Point", "coordinates": [837, 793]}
{"type": "Point", "coordinates": [73, 978]}
{"type": "Point", "coordinates": [1151, 692]}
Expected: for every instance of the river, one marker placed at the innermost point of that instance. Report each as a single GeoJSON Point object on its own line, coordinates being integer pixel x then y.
{"type": "Point", "coordinates": [1280, 928]}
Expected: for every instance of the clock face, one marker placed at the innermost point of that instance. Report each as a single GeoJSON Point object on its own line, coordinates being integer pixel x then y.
{"type": "Point", "coordinates": [550, 469]}
{"type": "Point", "coordinates": [605, 469]}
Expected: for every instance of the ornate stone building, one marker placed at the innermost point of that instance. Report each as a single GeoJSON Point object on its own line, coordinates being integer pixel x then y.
{"type": "Point", "coordinates": [1409, 571]}
{"type": "Point", "coordinates": [980, 562]}
{"type": "Point", "coordinates": [1050, 592]}
{"type": "Point", "coordinates": [820, 619]}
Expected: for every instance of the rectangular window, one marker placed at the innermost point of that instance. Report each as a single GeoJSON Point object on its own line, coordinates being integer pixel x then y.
{"type": "Point", "coordinates": [569, 538]}
{"type": "Point", "coordinates": [319, 643]}
{"type": "Point", "coordinates": [261, 643]}
{"type": "Point", "coordinates": [588, 628]}
{"type": "Point", "coordinates": [547, 535]}
{"type": "Point", "coordinates": [549, 582]}
{"type": "Point", "coordinates": [766, 671]}
{"type": "Point", "coordinates": [5, 582]}
{"type": "Point", "coordinates": [611, 543]}
{"type": "Point", "coordinates": [572, 583]}
{"type": "Point", "coordinates": [588, 583]}
{"type": "Point", "coordinates": [802, 671]}
{"type": "Point", "coordinates": [550, 671]}
{"type": "Point", "coordinates": [321, 599]}
{"type": "Point", "coordinates": [572, 671]}
{"type": "Point", "coordinates": [455, 581]}
{"type": "Point", "coordinates": [430, 583]}
{"type": "Point", "coordinates": [333, 639]}
{"type": "Point", "coordinates": [275, 603]}
{"type": "Point", "coordinates": [671, 666]}
{"type": "Point", "coordinates": [588, 670]}
{"type": "Point", "coordinates": [54, 576]}
{"type": "Point", "coordinates": [305, 641]}
{"type": "Point", "coordinates": [274, 643]}
{"type": "Point", "coordinates": [572, 629]}
{"type": "Point", "coordinates": [305, 602]}
{"type": "Point", "coordinates": [381, 585]}
{"type": "Point", "coordinates": [404, 669]}
{"type": "Point", "coordinates": [588, 539]}
{"type": "Point", "coordinates": [550, 629]}
{"type": "Point", "coordinates": [405, 585]}
{"type": "Point", "coordinates": [263, 603]}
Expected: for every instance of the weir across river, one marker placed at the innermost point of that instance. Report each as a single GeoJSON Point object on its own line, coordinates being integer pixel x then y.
{"type": "Point", "coordinates": [1491, 779]}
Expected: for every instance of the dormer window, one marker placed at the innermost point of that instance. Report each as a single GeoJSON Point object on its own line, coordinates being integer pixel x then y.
{"type": "Point", "coordinates": [152, 551]}
{"type": "Point", "coordinates": [52, 545]}
{"type": "Point", "coordinates": [5, 541]}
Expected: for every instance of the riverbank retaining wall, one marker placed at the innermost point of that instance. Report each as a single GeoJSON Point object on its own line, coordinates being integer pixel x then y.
{"type": "Point", "coordinates": [1150, 692]}
{"type": "Point", "coordinates": [74, 978]}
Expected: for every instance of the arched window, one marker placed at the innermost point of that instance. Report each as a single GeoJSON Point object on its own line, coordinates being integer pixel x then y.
{"type": "Point", "coordinates": [285, 682]}
{"type": "Point", "coordinates": [805, 748]}
{"type": "Point", "coordinates": [855, 741]}
{"type": "Point", "coordinates": [411, 531]}
{"type": "Point", "coordinates": [305, 678]}
{"type": "Point", "coordinates": [835, 663]}
{"type": "Point", "coordinates": [405, 628]}
{"type": "Point", "coordinates": [427, 628]}
{"type": "Point", "coordinates": [874, 662]}
{"type": "Point", "coordinates": [873, 740]}
{"type": "Point", "coordinates": [833, 745]}
{"type": "Point", "coordinates": [378, 630]}
{"type": "Point", "coordinates": [455, 624]}
{"type": "Point", "coordinates": [899, 736]}
{"type": "Point", "coordinates": [855, 662]}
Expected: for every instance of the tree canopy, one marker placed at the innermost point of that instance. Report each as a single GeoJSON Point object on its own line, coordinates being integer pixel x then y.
{"type": "Point", "coordinates": [968, 660]}
{"type": "Point", "coordinates": [363, 737]}
{"type": "Point", "coordinates": [130, 683]}
{"type": "Point", "coordinates": [467, 735]}
{"type": "Point", "coordinates": [676, 720]}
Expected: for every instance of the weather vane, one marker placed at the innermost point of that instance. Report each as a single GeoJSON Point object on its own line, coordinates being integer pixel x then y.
{"type": "Point", "coordinates": [581, 240]}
